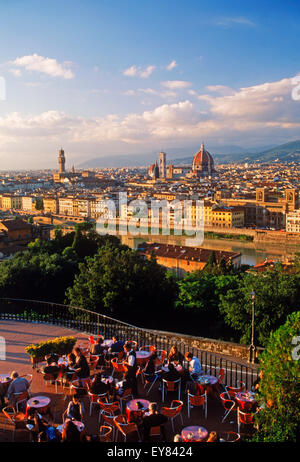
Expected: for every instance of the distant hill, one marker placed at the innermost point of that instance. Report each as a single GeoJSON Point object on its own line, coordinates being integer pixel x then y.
{"type": "Point", "coordinates": [287, 152]}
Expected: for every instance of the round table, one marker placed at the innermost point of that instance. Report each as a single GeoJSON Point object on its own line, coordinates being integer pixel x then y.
{"type": "Point", "coordinates": [77, 423]}
{"type": "Point", "coordinates": [5, 378]}
{"type": "Point", "coordinates": [207, 380]}
{"type": "Point", "coordinates": [41, 403]}
{"type": "Point", "coordinates": [194, 434]}
{"type": "Point", "coordinates": [178, 368]}
{"type": "Point", "coordinates": [246, 400]}
{"type": "Point", "coordinates": [142, 357]}
{"type": "Point", "coordinates": [135, 414]}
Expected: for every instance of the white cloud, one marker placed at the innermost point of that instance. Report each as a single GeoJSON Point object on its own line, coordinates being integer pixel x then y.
{"type": "Point", "coordinates": [136, 71]}
{"type": "Point", "coordinates": [49, 66]}
{"type": "Point", "coordinates": [259, 114]}
{"type": "Point", "coordinates": [176, 84]}
{"type": "Point", "coordinates": [172, 65]}
{"type": "Point", "coordinates": [230, 21]}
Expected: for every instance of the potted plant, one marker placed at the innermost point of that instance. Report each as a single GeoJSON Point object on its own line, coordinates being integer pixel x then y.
{"type": "Point", "coordinates": [59, 345]}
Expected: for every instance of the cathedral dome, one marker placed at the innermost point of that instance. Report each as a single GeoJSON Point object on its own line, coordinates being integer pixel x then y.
{"type": "Point", "coordinates": [203, 161]}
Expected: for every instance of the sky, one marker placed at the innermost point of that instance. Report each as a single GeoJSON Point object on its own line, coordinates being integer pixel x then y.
{"type": "Point", "coordinates": [109, 77]}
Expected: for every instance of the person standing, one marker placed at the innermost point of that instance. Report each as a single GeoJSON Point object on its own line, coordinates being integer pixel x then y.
{"type": "Point", "coordinates": [131, 366]}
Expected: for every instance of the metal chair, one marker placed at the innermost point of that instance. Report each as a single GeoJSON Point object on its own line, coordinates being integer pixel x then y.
{"type": "Point", "coordinates": [197, 401]}
{"type": "Point", "coordinates": [168, 385]}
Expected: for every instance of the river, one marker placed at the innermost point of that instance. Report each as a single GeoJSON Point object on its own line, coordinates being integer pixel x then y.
{"type": "Point", "coordinates": [252, 252]}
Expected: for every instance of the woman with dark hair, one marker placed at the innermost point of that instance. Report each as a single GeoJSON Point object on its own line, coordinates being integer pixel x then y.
{"type": "Point", "coordinates": [175, 355]}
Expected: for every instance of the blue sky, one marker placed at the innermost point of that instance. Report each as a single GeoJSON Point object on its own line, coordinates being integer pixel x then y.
{"type": "Point", "coordinates": [126, 77]}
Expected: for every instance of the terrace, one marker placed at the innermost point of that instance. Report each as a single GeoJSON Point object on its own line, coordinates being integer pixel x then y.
{"type": "Point", "coordinates": [24, 322]}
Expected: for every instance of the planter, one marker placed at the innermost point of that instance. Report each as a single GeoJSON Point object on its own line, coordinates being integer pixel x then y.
{"type": "Point", "coordinates": [60, 346]}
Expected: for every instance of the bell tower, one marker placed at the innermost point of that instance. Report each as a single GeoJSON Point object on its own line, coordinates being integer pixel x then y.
{"type": "Point", "coordinates": [61, 160]}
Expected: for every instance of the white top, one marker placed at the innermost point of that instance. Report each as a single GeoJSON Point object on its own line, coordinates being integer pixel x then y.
{"type": "Point", "coordinates": [195, 366]}
{"type": "Point", "coordinates": [131, 359]}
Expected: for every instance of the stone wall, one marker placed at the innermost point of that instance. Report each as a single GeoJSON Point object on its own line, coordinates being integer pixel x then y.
{"type": "Point", "coordinates": [234, 351]}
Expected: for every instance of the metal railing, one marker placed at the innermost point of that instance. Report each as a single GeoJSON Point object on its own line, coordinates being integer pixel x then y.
{"type": "Point", "coordinates": [93, 323]}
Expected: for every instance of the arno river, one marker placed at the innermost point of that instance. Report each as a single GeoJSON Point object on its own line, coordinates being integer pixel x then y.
{"type": "Point", "coordinates": [252, 252]}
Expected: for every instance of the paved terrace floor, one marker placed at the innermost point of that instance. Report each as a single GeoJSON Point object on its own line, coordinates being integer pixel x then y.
{"type": "Point", "coordinates": [20, 334]}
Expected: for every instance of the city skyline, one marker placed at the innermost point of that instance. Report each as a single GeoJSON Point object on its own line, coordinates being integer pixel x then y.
{"type": "Point", "coordinates": [130, 79]}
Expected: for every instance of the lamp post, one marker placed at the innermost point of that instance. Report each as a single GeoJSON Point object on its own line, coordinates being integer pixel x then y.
{"type": "Point", "coordinates": [252, 347]}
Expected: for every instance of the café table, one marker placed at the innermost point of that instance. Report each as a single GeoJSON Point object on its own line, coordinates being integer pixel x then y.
{"type": "Point", "coordinates": [4, 378]}
{"type": "Point", "coordinates": [178, 367]}
{"type": "Point", "coordinates": [246, 400]}
{"type": "Point", "coordinates": [207, 383]}
{"type": "Point", "coordinates": [80, 425]}
{"type": "Point", "coordinates": [41, 403]}
{"type": "Point", "coordinates": [134, 413]}
{"type": "Point", "coordinates": [142, 357]}
{"type": "Point", "coordinates": [194, 433]}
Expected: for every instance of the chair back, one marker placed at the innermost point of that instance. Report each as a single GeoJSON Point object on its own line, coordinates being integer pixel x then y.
{"type": "Point", "coordinates": [118, 366]}
{"type": "Point", "coordinates": [22, 396]}
{"type": "Point", "coordinates": [232, 391]}
{"type": "Point", "coordinates": [108, 407]}
{"type": "Point", "coordinates": [197, 400]}
{"type": "Point", "coordinates": [47, 376]}
{"type": "Point", "coordinates": [177, 406]}
{"type": "Point", "coordinates": [171, 385]}
{"type": "Point", "coordinates": [227, 403]}
{"type": "Point", "coordinates": [246, 418]}
{"type": "Point", "coordinates": [105, 434]}
{"type": "Point", "coordinates": [147, 348]}
{"type": "Point", "coordinates": [108, 418]}
{"type": "Point", "coordinates": [123, 426]}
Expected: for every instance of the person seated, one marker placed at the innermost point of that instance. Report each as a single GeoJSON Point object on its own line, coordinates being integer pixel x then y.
{"type": "Point", "coordinates": [172, 374]}
{"type": "Point", "coordinates": [71, 360]}
{"type": "Point", "coordinates": [70, 433]}
{"type": "Point", "coordinates": [18, 385]}
{"type": "Point", "coordinates": [51, 368]}
{"type": "Point", "coordinates": [195, 368]}
{"type": "Point", "coordinates": [213, 437]}
{"type": "Point", "coordinates": [75, 409]}
{"type": "Point", "coordinates": [117, 346]}
{"type": "Point", "coordinates": [53, 357]}
{"type": "Point", "coordinates": [38, 423]}
{"type": "Point", "coordinates": [97, 348]}
{"type": "Point", "coordinates": [98, 387]}
{"type": "Point", "coordinates": [175, 355]}
{"type": "Point", "coordinates": [154, 419]}
{"type": "Point", "coordinates": [149, 369]}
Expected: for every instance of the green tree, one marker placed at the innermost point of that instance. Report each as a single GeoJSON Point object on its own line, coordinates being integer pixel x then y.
{"type": "Point", "coordinates": [198, 302]}
{"type": "Point", "coordinates": [120, 282]}
{"type": "Point", "coordinates": [277, 295]}
{"type": "Point", "coordinates": [279, 419]}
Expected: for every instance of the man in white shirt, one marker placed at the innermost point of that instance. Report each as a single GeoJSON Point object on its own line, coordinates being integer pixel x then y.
{"type": "Point", "coordinates": [131, 365]}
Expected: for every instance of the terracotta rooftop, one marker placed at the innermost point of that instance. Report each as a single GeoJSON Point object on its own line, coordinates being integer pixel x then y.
{"type": "Point", "coordinates": [183, 252]}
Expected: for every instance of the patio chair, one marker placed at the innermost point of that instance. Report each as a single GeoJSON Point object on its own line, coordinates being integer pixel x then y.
{"type": "Point", "coordinates": [16, 419]}
{"type": "Point", "coordinates": [94, 399]}
{"type": "Point", "coordinates": [228, 404]}
{"type": "Point", "coordinates": [105, 434]}
{"type": "Point", "coordinates": [148, 379]}
{"type": "Point", "coordinates": [49, 379]}
{"type": "Point", "coordinates": [126, 396]}
{"type": "Point", "coordinates": [197, 401]}
{"type": "Point", "coordinates": [173, 411]}
{"type": "Point", "coordinates": [126, 428]}
{"type": "Point", "coordinates": [118, 367]}
{"type": "Point", "coordinates": [161, 356]}
{"type": "Point", "coordinates": [245, 418]}
{"type": "Point", "coordinates": [109, 408]}
{"type": "Point", "coordinates": [109, 420]}
{"type": "Point", "coordinates": [20, 399]}
{"type": "Point", "coordinates": [148, 348]}
{"type": "Point", "coordinates": [230, 437]}
{"type": "Point", "coordinates": [168, 385]}
{"type": "Point", "coordinates": [233, 391]}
